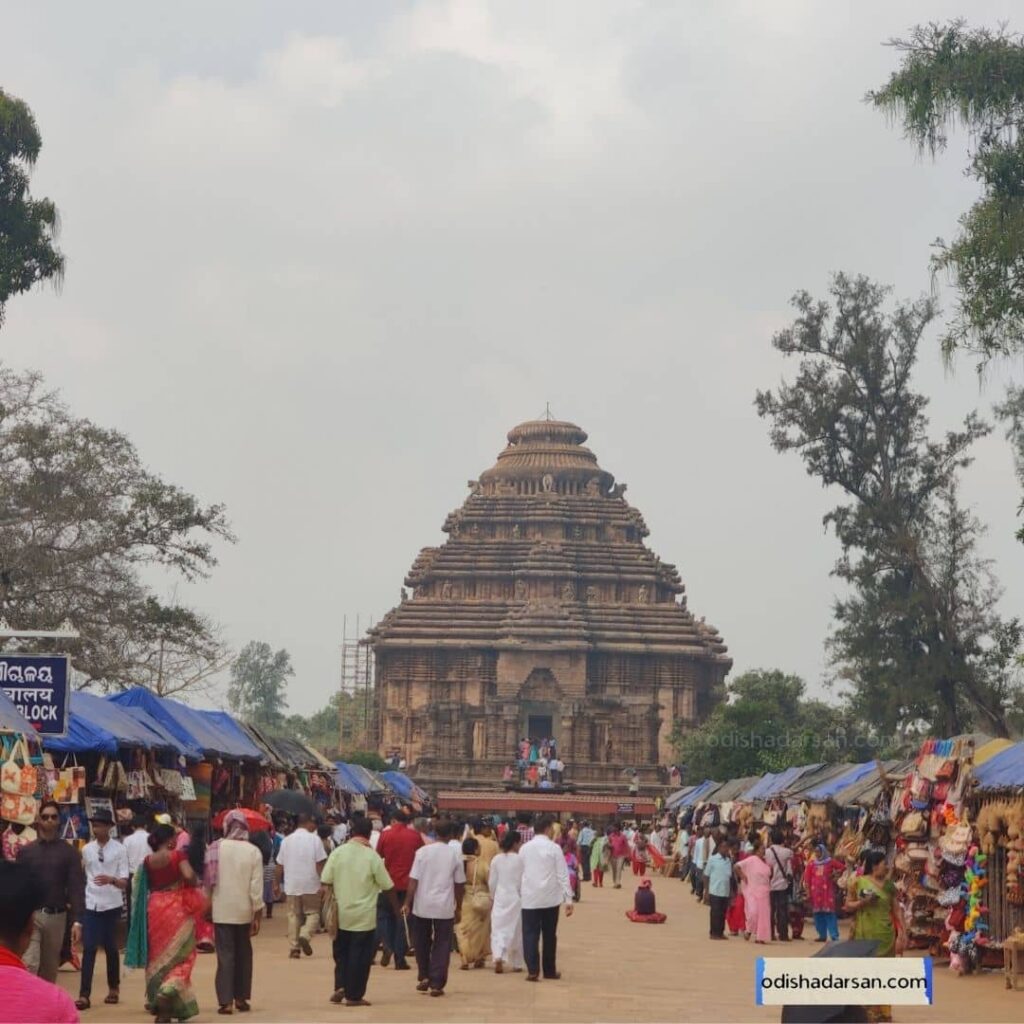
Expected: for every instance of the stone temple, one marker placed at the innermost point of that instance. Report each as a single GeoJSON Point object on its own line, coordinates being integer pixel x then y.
{"type": "Point", "coordinates": [543, 614]}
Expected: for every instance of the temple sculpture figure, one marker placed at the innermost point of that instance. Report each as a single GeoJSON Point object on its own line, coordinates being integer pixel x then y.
{"type": "Point", "coordinates": [544, 614]}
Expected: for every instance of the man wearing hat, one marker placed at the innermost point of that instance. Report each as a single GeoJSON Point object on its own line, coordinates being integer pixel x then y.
{"type": "Point", "coordinates": [106, 877]}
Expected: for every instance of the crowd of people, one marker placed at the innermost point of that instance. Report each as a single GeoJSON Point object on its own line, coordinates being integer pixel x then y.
{"type": "Point", "coordinates": [763, 884]}
{"type": "Point", "coordinates": [426, 889]}
{"type": "Point", "coordinates": [536, 765]}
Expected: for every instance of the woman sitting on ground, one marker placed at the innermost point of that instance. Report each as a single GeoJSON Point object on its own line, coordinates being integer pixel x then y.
{"type": "Point", "coordinates": [644, 909]}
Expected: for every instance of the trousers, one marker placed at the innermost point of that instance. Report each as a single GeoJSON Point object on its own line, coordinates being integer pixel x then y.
{"type": "Point", "coordinates": [780, 915]}
{"type": "Point", "coordinates": [617, 865]}
{"type": "Point", "coordinates": [540, 940]}
{"type": "Point", "coordinates": [234, 962]}
{"type": "Point", "coordinates": [43, 954]}
{"type": "Point", "coordinates": [719, 906]}
{"type": "Point", "coordinates": [432, 937]}
{"type": "Point", "coordinates": [353, 954]}
{"type": "Point", "coordinates": [100, 929]}
{"type": "Point", "coordinates": [585, 862]}
{"type": "Point", "coordinates": [826, 924]}
{"type": "Point", "coordinates": [303, 915]}
{"type": "Point", "coordinates": [391, 928]}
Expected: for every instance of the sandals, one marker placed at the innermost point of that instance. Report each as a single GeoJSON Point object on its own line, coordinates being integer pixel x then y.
{"type": "Point", "coordinates": [225, 1010]}
{"type": "Point", "coordinates": [113, 998]}
{"type": "Point", "coordinates": [83, 1003]}
{"type": "Point", "coordinates": [242, 1005]}
{"type": "Point", "coordinates": [338, 995]}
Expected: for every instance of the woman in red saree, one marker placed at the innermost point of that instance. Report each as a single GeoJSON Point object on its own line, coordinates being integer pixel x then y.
{"type": "Point", "coordinates": [166, 905]}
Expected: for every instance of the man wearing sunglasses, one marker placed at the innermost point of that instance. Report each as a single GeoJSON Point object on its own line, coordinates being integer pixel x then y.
{"type": "Point", "coordinates": [106, 878]}
{"type": "Point", "coordinates": [58, 868]}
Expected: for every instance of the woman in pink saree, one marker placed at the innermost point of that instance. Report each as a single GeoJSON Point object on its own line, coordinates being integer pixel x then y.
{"type": "Point", "coordinates": [755, 874]}
{"type": "Point", "coordinates": [166, 905]}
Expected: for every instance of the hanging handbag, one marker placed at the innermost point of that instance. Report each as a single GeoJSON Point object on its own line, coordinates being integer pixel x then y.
{"type": "Point", "coordinates": [19, 808]}
{"type": "Point", "coordinates": [914, 824]}
{"type": "Point", "coordinates": [19, 778]}
{"type": "Point", "coordinates": [135, 790]}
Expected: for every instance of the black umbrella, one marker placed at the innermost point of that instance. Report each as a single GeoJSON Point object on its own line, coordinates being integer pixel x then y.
{"type": "Point", "coordinates": [826, 1014]}
{"type": "Point", "coordinates": [291, 801]}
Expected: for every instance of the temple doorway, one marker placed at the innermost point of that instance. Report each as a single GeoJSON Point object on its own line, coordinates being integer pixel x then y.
{"type": "Point", "coordinates": [539, 727]}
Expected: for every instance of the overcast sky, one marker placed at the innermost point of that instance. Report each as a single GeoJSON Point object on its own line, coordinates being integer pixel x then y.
{"type": "Point", "coordinates": [321, 258]}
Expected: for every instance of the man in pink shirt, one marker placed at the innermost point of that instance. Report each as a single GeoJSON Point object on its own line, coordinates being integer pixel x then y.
{"type": "Point", "coordinates": [26, 998]}
{"type": "Point", "coordinates": [618, 848]}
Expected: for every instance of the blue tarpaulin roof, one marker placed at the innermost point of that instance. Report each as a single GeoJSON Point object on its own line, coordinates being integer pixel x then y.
{"type": "Point", "coordinates": [98, 724]}
{"type": "Point", "coordinates": [695, 794]}
{"type": "Point", "coordinates": [11, 719]}
{"type": "Point", "coordinates": [756, 791]}
{"type": "Point", "coordinates": [775, 784]}
{"type": "Point", "coordinates": [403, 786]}
{"type": "Point", "coordinates": [188, 726]}
{"type": "Point", "coordinates": [354, 778]}
{"type": "Point", "coordinates": [170, 741]}
{"type": "Point", "coordinates": [678, 798]}
{"type": "Point", "coordinates": [349, 781]}
{"type": "Point", "coordinates": [834, 785]}
{"type": "Point", "coordinates": [1004, 771]}
{"type": "Point", "coordinates": [222, 720]}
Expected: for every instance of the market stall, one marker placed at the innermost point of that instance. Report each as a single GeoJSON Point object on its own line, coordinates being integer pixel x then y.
{"type": "Point", "coordinates": [997, 801]}
{"type": "Point", "coordinates": [23, 777]}
{"type": "Point", "coordinates": [229, 765]}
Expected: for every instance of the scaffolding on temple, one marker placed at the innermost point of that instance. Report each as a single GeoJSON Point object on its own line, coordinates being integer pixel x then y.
{"type": "Point", "coordinates": [356, 705]}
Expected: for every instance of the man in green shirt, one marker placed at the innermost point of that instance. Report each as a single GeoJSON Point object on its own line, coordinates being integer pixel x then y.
{"type": "Point", "coordinates": [354, 876]}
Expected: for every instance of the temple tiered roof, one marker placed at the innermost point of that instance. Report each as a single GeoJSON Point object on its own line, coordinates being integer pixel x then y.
{"type": "Point", "coordinates": [547, 551]}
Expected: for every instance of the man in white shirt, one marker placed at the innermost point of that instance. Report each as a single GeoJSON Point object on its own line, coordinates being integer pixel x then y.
{"type": "Point", "coordinates": [137, 847]}
{"type": "Point", "coordinates": [545, 888]}
{"type": "Point", "coordinates": [432, 903]}
{"type": "Point", "coordinates": [106, 878]}
{"type": "Point", "coordinates": [298, 865]}
{"type": "Point", "coordinates": [339, 829]}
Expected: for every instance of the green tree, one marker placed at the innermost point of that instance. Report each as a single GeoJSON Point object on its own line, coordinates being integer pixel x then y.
{"type": "Point", "coordinates": [28, 227]}
{"type": "Point", "coordinates": [258, 679]}
{"type": "Point", "coordinates": [367, 758]}
{"type": "Point", "coordinates": [80, 518]}
{"type": "Point", "coordinates": [337, 727]}
{"type": "Point", "coordinates": [949, 76]}
{"type": "Point", "coordinates": [765, 724]}
{"type": "Point", "coordinates": [913, 633]}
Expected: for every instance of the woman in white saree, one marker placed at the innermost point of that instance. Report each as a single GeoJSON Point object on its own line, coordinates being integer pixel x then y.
{"type": "Point", "coordinates": [505, 880]}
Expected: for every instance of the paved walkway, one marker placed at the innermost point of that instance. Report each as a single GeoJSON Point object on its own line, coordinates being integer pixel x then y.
{"type": "Point", "coordinates": [612, 970]}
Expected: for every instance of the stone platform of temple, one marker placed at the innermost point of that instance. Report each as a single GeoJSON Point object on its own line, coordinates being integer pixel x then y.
{"type": "Point", "coordinates": [544, 615]}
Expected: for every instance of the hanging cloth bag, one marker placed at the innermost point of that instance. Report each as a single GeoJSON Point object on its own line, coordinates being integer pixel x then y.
{"type": "Point", "coordinates": [18, 778]}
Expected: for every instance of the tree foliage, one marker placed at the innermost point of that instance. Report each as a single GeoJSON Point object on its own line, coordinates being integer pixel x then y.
{"type": "Point", "coordinates": [28, 227]}
{"type": "Point", "coordinates": [80, 517]}
{"type": "Point", "coordinates": [259, 676]}
{"type": "Point", "coordinates": [914, 633]}
{"type": "Point", "coordinates": [765, 724]}
{"type": "Point", "coordinates": [178, 651]}
{"type": "Point", "coordinates": [339, 727]}
{"type": "Point", "coordinates": [949, 76]}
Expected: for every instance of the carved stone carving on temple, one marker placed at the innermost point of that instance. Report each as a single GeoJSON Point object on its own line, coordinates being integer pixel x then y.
{"type": "Point", "coordinates": [512, 651]}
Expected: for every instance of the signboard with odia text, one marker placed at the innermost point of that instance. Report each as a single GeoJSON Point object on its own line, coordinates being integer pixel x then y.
{"type": "Point", "coordinates": [38, 684]}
